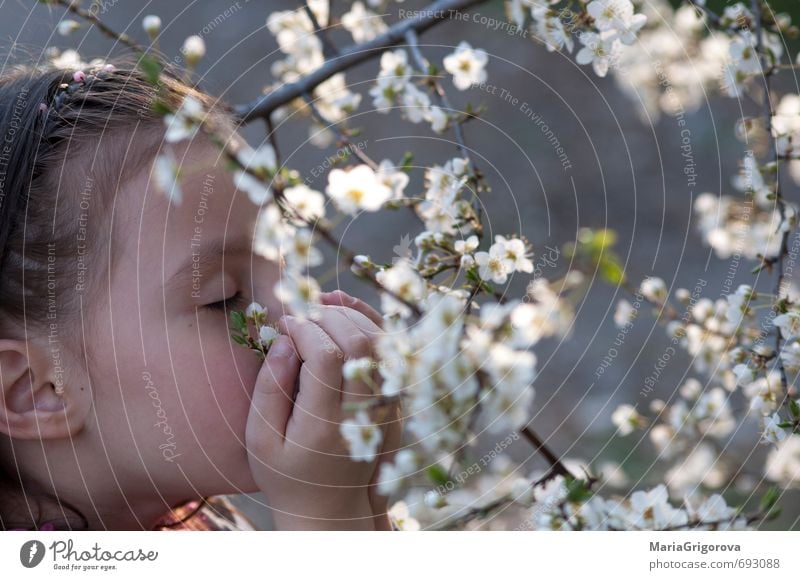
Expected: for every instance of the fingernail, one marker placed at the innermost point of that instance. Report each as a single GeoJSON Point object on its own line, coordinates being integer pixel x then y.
{"type": "Point", "coordinates": [281, 347]}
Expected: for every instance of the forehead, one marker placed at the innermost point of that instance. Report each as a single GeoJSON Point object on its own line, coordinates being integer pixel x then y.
{"type": "Point", "coordinates": [211, 215]}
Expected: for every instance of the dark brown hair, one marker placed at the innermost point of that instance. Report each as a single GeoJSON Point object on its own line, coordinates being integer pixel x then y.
{"type": "Point", "coordinates": [59, 135]}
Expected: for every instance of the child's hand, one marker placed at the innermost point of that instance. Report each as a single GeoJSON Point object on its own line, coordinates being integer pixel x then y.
{"type": "Point", "coordinates": [297, 456]}
{"type": "Point", "coordinates": [392, 424]}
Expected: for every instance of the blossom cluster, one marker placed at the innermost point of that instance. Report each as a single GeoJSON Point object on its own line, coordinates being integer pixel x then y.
{"type": "Point", "coordinates": [460, 357]}
{"type": "Point", "coordinates": [562, 505]}
{"type": "Point", "coordinates": [603, 28]}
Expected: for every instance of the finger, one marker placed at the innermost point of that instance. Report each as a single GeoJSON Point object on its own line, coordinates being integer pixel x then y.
{"type": "Point", "coordinates": [340, 298]}
{"type": "Point", "coordinates": [321, 371]}
{"type": "Point", "coordinates": [360, 320]}
{"type": "Point", "coordinates": [272, 396]}
{"type": "Point", "coordinates": [344, 326]}
{"type": "Point", "coordinates": [392, 426]}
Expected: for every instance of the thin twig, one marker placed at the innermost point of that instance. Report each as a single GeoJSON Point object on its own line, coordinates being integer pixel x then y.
{"type": "Point", "coordinates": [556, 466]}
{"type": "Point", "coordinates": [444, 102]}
{"type": "Point", "coordinates": [423, 65]}
{"type": "Point", "coordinates": [766, 73]}
{"type": "Point", "coordinates": [712, 16]}
{"type": "Point", "coordinates": [75, 7]}
{"type": "Point", "coordinates": [273, 140]}
{"type": "Point", "coordinates": [351, 56]}
{"type": "Point", "coordinates": [329, 50]}
{"type": "Point", "coordinates": [341, 134]}
{"type": "Point", "coordinates": [316, 226]}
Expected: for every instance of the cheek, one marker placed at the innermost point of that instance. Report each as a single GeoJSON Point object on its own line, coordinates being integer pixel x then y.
{"type": "Point", "coordinates": [218, 377]}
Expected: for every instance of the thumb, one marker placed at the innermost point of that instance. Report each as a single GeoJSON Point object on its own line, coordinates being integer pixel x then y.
{"type": "Point", "coordinates": [272, 397]}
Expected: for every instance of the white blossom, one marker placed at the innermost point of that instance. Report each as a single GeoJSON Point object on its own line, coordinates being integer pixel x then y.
{"type": "Point", "coordinates": [598, 50]}
{"type": "Point", "coordinates": [362, 436]}
{"type": "Point", "coordinates": [166, 172]}
{"type": "Point", "coordinates": [362, 23]}
{"type": "Point", "coordinates": [654, 289]}
{"type": "Point", "coordinates": [356, 189]}
{"type": "Point", "coordinates": [467, 65]}
{"type": "Point", "coordinates": [773, 433]}
{"type": "Point", "coordinates": [626, 418]}
{"type": "Point", "coordinates": [151, 25]}
{"type": "Point", "coordinates": [67, 27]}
{"type": "Point", "coordinates": [194, 48]}
{"type": "Point", "coordinates": [185, 122]}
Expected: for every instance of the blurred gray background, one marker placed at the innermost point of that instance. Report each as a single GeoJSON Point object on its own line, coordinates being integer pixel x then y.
{"type": "Point", "coordinates": [625, 174]}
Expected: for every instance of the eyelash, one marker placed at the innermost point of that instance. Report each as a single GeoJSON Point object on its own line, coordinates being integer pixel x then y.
{"type": "Point", "coordinates": [226, 303]}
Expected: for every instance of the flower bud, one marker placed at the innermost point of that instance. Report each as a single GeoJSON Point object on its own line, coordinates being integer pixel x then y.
{"type": "Point", "coordinates": [152, 25]}
{"type": "Point", "coordinates": [194, 48]}
{"type": "Point", "coordinates": [67, 27]}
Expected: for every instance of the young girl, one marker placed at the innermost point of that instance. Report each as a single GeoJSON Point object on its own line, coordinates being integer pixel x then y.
{"type": "Point", "coordinates": [124, 404]}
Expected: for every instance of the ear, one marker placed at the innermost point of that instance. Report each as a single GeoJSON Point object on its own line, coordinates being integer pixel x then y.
{"type": "Point", "coordinates": [34, 401]}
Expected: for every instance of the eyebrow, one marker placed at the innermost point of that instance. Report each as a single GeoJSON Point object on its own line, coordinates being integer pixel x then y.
{"type": "Point", "coordinates": [204, 255]}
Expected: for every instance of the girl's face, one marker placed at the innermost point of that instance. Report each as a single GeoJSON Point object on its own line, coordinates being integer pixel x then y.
{"type": "Point", "coordinates": [171, 389]}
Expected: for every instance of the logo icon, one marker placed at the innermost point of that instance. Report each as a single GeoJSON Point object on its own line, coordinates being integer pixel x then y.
{"type": "Point", "coordinates": [31, 553]}
{"type": "Point", "coordinates": [402, 251]}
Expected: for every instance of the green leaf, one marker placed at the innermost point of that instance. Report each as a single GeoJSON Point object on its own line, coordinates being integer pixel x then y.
{"type": "Point", "coordinates": [770, 498]}
{"type": "Point", "coordinates": [611, 270]}
{"type": "Point", "coordinates": [161, 107]}
{"type": "Point", "coordinates": [239, 339]}
{"type": "Point", "coordinates": [239, 320]}
{"type": "Point", "coordinates": [437, 474]}
{"type": "Point", "coordinates": [405, 163]}
{"type": "Point", "coordinates": [151, 69]}
{"type": "Point", "coordinates": [578, 491]}
{"type": "Point", "coordinates": [794, 408]}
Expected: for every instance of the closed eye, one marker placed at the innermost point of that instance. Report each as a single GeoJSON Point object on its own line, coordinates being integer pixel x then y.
{"type": "Point", "coordinates": [227, 303]}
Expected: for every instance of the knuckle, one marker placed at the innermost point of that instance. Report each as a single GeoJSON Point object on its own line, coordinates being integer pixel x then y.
{"type": "Point", "coordinates": [332, 354]}
{"type": "Point", "coordinates": [359, 345]}
{"type": "Point", "coordinates": [258, 440]}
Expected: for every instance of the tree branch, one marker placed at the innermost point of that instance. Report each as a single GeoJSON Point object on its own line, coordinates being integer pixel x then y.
{"type": "Point", "coordinates": [441, 96]}
{"type": "Point", "coordinates": [556, 466]}
{"type": "Point", "coordinates": [766, 72]}
{"type": "Point", "coordinates": [329, 50]}
{"type": "Point", "coordinates": [341, 134]}
{"type": "Point", "coordinates": [75, 7]}
{"type": "Point", "coordinates": [349, 57]}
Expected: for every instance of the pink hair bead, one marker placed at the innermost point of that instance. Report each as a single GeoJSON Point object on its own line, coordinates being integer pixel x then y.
{"type": "Point", "coordinates": [79, 76]}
